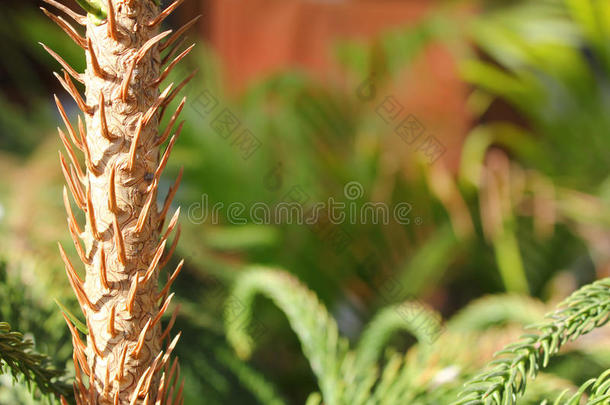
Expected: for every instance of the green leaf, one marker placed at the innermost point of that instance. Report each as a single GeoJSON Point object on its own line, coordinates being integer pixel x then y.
{"type": "Point", "coordinates": [79, 325]}
{"type": "Point", "coordinates": [309, 319]}
{"type": "Point", "coordinates": [495, 310]}
{"type": "Point", "coordinates": [506, 378]}
{"type": "Point", "coordinates": [93, 7]}
{"type": "Point", "coordinates": [255, 382]}
{"type": "Point", "coordinates": [509, 260]}
{"type": "Point", "coordinates": [414, 317]}
{"type": "Point", "coordinates": [17, 355]}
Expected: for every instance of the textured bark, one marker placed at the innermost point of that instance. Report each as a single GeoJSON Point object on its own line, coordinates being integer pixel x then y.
{"type": "Point", "coordinates": [122, 247]}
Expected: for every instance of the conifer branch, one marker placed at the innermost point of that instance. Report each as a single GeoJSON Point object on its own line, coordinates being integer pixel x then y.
{"type": "Point", "coordinates": [506, 379]}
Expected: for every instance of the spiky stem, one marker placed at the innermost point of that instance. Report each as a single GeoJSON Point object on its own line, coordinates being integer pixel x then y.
{"type": "Point", "coordinates": [122, 242]}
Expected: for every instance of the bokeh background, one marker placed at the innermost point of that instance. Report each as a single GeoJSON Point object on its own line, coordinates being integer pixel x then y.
{"type": "Point", "coordinates": [490, 118]}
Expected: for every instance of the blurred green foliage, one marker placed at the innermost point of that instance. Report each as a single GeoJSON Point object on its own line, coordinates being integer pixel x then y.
{"type": "Point", "coordinates": [526, 210]}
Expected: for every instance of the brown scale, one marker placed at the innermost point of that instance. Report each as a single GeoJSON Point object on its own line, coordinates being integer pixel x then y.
{"type": "Point", "coordinates": [122, 244]}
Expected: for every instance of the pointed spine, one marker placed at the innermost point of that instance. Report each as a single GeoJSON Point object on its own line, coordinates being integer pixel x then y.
{"type": "Point", "coordinates": [166, 257]}
{"type": "Point", "coordinates": [145, 213]}
{"type": "Point", "coordinates": [68, 207]}
{"type": "Point", "coordinates": [169, 198]}
{"type": "Point", "coordinates": [171, 280]}
{"type": "Point", "coordinates": [71, 154]}
{"type": "Point", "coordinates": [103, 269]}
{"type": "Point", "coordinates": [106, 389]}
{"type": "Point", "coordinates": [82, 133]}
{"type": "Point", "coordinates": [149, 44]}
{"type": "Point", "coordinates": [120, 373]}
{"type": "Point", "coordinates": [67, 123]}
{"type": "Point", "coordinates": [74, 187]}
{"type": "Point", "coordinates": [164, 159]}
{"type": "Point", "coordinates": [179, 398]}
{"type": "Point", "coordinates": [94, 345]}
{"type": "Point", "coordinates": [75, 238]}
{"type": "Point", "coordinates": [131, 160]}
{"type": "Point", "coordinates": [95, 64]}
{"type": "Point", "coordinates": [171, 123]}
{"type": "Point", "coordinates": [118, 240]}
{"type": "Point", "coordinates": [67, 84]}
{"type": "Point", "coordinates": [155, 107]}
{"type": "Point", "coordinates": [103, 119]}
{"type": "Point", "coordinates": [172, 51]}
{"type": "Point", "coordinates": [81, 295]}
{"type": "Point", "coordinates": [172, 224]}
{"type": "Point", "coordinates": [78, 345]}
{"type": "Point", "coordinates": [111, 328]}
{"type": "Point", "coordinates": [170, 325]}
{"type": "Point", "coordinates": [78, 18]}
{"type": "Point", "coordinates": [68, 264]}
{"type": "Point", "coordinates": [179, 33]}
{"type": "Point", "coordinates": [112, 205]}
{"type": "Point", "coordinates": [171, 66]}
{"type": "Point", "coordinates": [68, 29]}
{"type": "Point", "coordinates": [113, 31]}
{"type": "Point", "coordinates": [171, 347]}
{"type": "Point", "coordinates": [138, 349]}
{"type": "Point", "coordinates": [149, 377]}
{"type": "Point", "coordinates": [131, 296]}
{"type": "Point", "coordinates": [175, 92]}
{"type": "Point", "coordinates": [69, 69]}
{"type": "Point", "coordinates": [127, 80]}
{"type": "Point", "coordinates": [91, 215]}
{"type": "Point", "coordinates": [165, 13]}
{"type": "Point", "coordinates": [88, 159]}
{"type": "Point", "coordinates": [153, 264]}
{"type": "Point", "coordinates": [162, 310]}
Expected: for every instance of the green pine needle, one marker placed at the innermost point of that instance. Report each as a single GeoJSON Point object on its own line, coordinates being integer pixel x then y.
{"type": "Point", "coordinates": [79, 325]}
{"type": "Point", "coordinates": [506, 379]}
{"type": "Point", "coordinates": [17, 355]}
